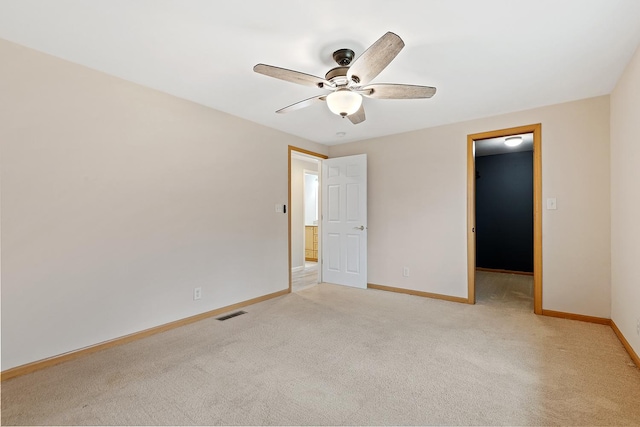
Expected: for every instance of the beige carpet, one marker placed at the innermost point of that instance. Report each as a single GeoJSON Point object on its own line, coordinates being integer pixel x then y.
{"type": "Point", "coordinates": [503, 290]}
{"type": "Point", "coordinates": [336, 355]}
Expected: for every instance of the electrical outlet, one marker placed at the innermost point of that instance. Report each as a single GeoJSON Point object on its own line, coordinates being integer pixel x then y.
{"type": "Point", "coordinates": [197, 293]}
{"type": "Point", "coordinates": [638, 326]}
{"type": "Point", "coordinates": [405, 271]}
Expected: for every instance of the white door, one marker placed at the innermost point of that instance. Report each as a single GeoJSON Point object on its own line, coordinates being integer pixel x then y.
{"type": "Point", "coordinates": [344, 221]}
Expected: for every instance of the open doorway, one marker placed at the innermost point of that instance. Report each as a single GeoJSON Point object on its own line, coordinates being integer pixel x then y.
{"type": "Point", "coordinates": [504, 221]}
{"type": "Point", "coordinates": [504, 216]}
{"type": "Point", "coordinates": [304, 224]}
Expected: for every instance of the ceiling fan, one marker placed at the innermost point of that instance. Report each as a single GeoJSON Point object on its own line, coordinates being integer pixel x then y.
{"type": "Point", "coordinates": [349, 81]}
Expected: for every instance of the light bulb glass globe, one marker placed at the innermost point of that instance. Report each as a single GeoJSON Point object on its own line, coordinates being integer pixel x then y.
{"type": "Point", "coordinates": [343, 102]}
{"type": "Point", "coordinates": [513, 141]}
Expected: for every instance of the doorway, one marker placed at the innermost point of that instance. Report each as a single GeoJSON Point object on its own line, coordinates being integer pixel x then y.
{"type": "Point", "coordinates": [501, 260]}
{"type": "Point", "coordinates": [304, 198]}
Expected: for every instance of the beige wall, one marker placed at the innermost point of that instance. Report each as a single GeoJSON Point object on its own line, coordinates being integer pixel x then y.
{"type": "Point", "coordinates": [625, 203]}
{"type": "Point", "coordinates": [118, 200]}
{"type": "Point", "coordinates": [417, 205]}
{"type": "Point", "coordinates": [297, 209]}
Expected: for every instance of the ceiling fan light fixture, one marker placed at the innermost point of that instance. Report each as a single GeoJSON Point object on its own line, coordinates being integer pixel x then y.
{"type": "Point", "coordinates": [343, 102]}
{"type": "Point", "coordinates": [513, 141]}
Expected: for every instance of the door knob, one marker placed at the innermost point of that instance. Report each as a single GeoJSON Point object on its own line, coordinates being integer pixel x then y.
{"type": "Point", "coordinates": [361, 228]}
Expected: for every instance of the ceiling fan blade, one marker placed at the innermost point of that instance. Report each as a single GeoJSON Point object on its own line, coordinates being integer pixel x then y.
{"type": "Point", "coordinates": [397, 91]}
{"type": "Point", "coordinates": [302, 104]}
{"type": "Point", "coordinates": [358, 116]}
{"type": "Point", "coordinates": [368, 65]}
{"type": "Point", "coordinates": [292, 76]}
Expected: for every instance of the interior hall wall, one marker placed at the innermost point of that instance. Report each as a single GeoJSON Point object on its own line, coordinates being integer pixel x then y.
{"type": "Point", "coordinates": [504, 211]}
{"type": "Point", "coordinates": [311, 199]}
{"type": "Point", "coordinates": [119, 200]}
{"type": "Point", "coordinates": [625, 203]}
{"type": "Point", "coordinates": [417, 204]}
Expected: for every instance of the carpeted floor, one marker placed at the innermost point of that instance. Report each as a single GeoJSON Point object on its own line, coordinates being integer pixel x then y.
{"type": "Point", "coordinates": [341, 356]}
{"type": "Point", "coordinates": [503, 290]}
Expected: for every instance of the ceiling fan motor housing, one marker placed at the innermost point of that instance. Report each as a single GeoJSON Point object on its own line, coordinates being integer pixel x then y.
{"type": "Point", "coordinates": [338, 73]}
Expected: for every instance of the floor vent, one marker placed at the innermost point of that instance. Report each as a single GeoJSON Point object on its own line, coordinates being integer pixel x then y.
{"type": "Point", "coordinates": [229, 316]}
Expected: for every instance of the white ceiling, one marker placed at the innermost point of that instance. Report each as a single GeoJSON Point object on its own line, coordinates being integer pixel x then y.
{"type": "Point", "coordinates": [491, 146]}
{"type": "Point", "coordinates": [486, 57]}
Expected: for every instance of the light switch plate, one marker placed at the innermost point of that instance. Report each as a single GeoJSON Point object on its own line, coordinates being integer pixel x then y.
{"type": "Point", "coordinates": [552, 204]}
{"type": "Point", "coordinates": [279, 208]}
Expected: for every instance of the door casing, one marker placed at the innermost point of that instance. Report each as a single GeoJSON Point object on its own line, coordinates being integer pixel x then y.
{"type": "Point", "coordinates": [537, 208]}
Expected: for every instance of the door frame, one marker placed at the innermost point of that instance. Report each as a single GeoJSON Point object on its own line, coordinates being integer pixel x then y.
{"type": "Point", "coordinates": [537, 208]}
{"type": "Point", "coordinates": [290, 149]}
